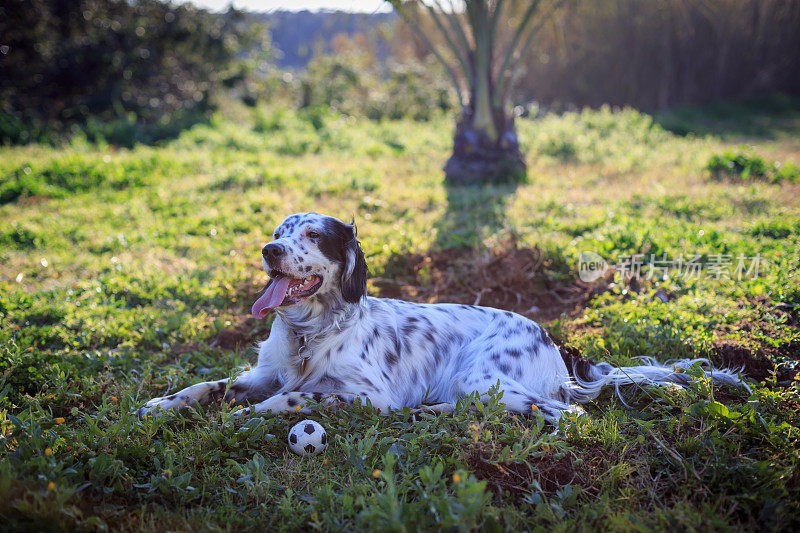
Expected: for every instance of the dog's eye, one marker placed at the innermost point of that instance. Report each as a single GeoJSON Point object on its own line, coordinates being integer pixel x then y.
{"type": "Point", "coordinates": [313, 235]}
{"type": "Point", "coordinates": [276, 236]}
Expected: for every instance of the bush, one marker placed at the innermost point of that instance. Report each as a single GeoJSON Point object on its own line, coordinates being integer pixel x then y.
{"type": "Point", "coordinates": [129, 63]}
{"type": "Point", "coordinates": [786, 172]}
{"type": "Point", "coordinates": [353, 82]}
{"type": "Point", "coordinates": [747, 166]}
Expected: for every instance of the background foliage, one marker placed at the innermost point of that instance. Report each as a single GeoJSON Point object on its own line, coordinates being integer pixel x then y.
{"type": "Point", "coordinates": [141, 71]}
{"type": "Point", "coordinates": [657, 55]}
{"type": "Point", "coordinates": [113, 65]}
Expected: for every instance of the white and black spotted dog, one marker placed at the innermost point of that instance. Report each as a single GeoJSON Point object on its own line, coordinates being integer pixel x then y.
{"type": "Point", "coordinates": [330, 342]}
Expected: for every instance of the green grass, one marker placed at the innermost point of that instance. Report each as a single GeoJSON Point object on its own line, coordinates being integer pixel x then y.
{"type": "Point", "coordinates": [128, 273]}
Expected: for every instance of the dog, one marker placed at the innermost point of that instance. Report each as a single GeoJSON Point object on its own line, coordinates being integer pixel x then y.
{"type": "Point", "coordinates": [331, 343]}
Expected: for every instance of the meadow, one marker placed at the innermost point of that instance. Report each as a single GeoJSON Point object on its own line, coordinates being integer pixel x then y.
{"type": "Point", "coordinates": [129, 273]}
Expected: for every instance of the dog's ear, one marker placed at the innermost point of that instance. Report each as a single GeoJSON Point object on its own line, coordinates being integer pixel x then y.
{"type": "Point", "coordinates": [339, 244]}
{"type": "Point", "coordinates": [354, 270]}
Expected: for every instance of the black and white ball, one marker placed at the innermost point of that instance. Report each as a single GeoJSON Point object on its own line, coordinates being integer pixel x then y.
{"type": "Point", "coordinates": [308, 438]}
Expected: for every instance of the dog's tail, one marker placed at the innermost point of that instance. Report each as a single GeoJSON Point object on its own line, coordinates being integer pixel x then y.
{"type": "Point", "coordinates": [589, 379]}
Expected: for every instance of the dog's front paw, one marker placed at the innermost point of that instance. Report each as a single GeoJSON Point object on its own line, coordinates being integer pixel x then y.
{"type": "Point", "coordinates": [158, 406]}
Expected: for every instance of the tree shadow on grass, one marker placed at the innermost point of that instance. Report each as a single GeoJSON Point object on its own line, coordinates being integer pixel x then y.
{"type": "Point", "coordinates": [473, 212]}
{"type": "Point", "coordinates": [459, 268]}
{"type": "Point", "coordinates": [768, 118]}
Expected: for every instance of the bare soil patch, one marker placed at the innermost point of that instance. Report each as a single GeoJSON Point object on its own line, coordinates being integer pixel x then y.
{"type": "Point", "coordinates": [758, 357]}
{"type": "Point", "coordinates": [760, 362]}
{"type": "Point", "coordinates": [550, 471]}
{"type": "Point", "coordinates": [508, 277]}
{"type": "Point", "coordinates": [32, 200]}
{"type": "Point", "coordinates": [244, 333]}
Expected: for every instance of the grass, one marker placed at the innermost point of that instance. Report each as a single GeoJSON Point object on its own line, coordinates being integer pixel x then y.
{"type": "Point", "coordinates": [128, 273]}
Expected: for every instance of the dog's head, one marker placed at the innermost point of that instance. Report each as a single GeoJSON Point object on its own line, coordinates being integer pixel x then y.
{"type": "Point", "coordinates": [312, 256]}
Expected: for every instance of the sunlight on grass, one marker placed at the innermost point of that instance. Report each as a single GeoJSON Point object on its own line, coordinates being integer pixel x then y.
{"type": "Point", "coordinates": [121, 268]}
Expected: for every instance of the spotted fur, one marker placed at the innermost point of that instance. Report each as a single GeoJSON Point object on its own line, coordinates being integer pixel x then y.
{"type": "Point", "coordinates": [396, 353]}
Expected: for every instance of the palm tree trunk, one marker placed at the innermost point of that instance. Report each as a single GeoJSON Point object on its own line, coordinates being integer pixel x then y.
{"type": "Point", "coordinates": [485, 147]}
{"type": "Point", "coordinates": [484, 120]}
{"type": "Point", "coordinates": [478, 160]}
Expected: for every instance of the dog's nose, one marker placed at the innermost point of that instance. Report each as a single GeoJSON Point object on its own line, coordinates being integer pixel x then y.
{"type": "Point", "coordinates": [273, 251]}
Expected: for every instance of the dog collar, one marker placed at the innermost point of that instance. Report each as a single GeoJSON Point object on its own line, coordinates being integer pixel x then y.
{"type": "Point", "coordinates": [304, 352]}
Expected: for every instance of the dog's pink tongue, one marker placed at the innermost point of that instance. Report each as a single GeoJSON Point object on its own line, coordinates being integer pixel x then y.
{"type": "Point", "coordinates": [272, 298]}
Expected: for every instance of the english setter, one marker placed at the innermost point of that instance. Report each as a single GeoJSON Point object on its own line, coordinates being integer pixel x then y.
{"type": "Point", "coordinates": [330, 342]}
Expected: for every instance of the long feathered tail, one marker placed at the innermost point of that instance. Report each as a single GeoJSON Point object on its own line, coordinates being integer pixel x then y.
{"type": "Point", "coordinates": [589, 379]}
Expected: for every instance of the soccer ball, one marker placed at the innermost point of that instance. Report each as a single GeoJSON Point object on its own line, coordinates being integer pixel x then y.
{"type": "Point", "coordinates": [307, 438]}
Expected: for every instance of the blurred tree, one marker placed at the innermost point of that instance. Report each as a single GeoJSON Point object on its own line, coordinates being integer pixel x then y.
{"type": "Point", "coordinates": [354, 81]}
{"type": "Point", "coordinates": [658, 55]}
{"type": "Point", "coordinates": [481, 46]}
{"type": "Point", "coordinates": [145, 62]}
